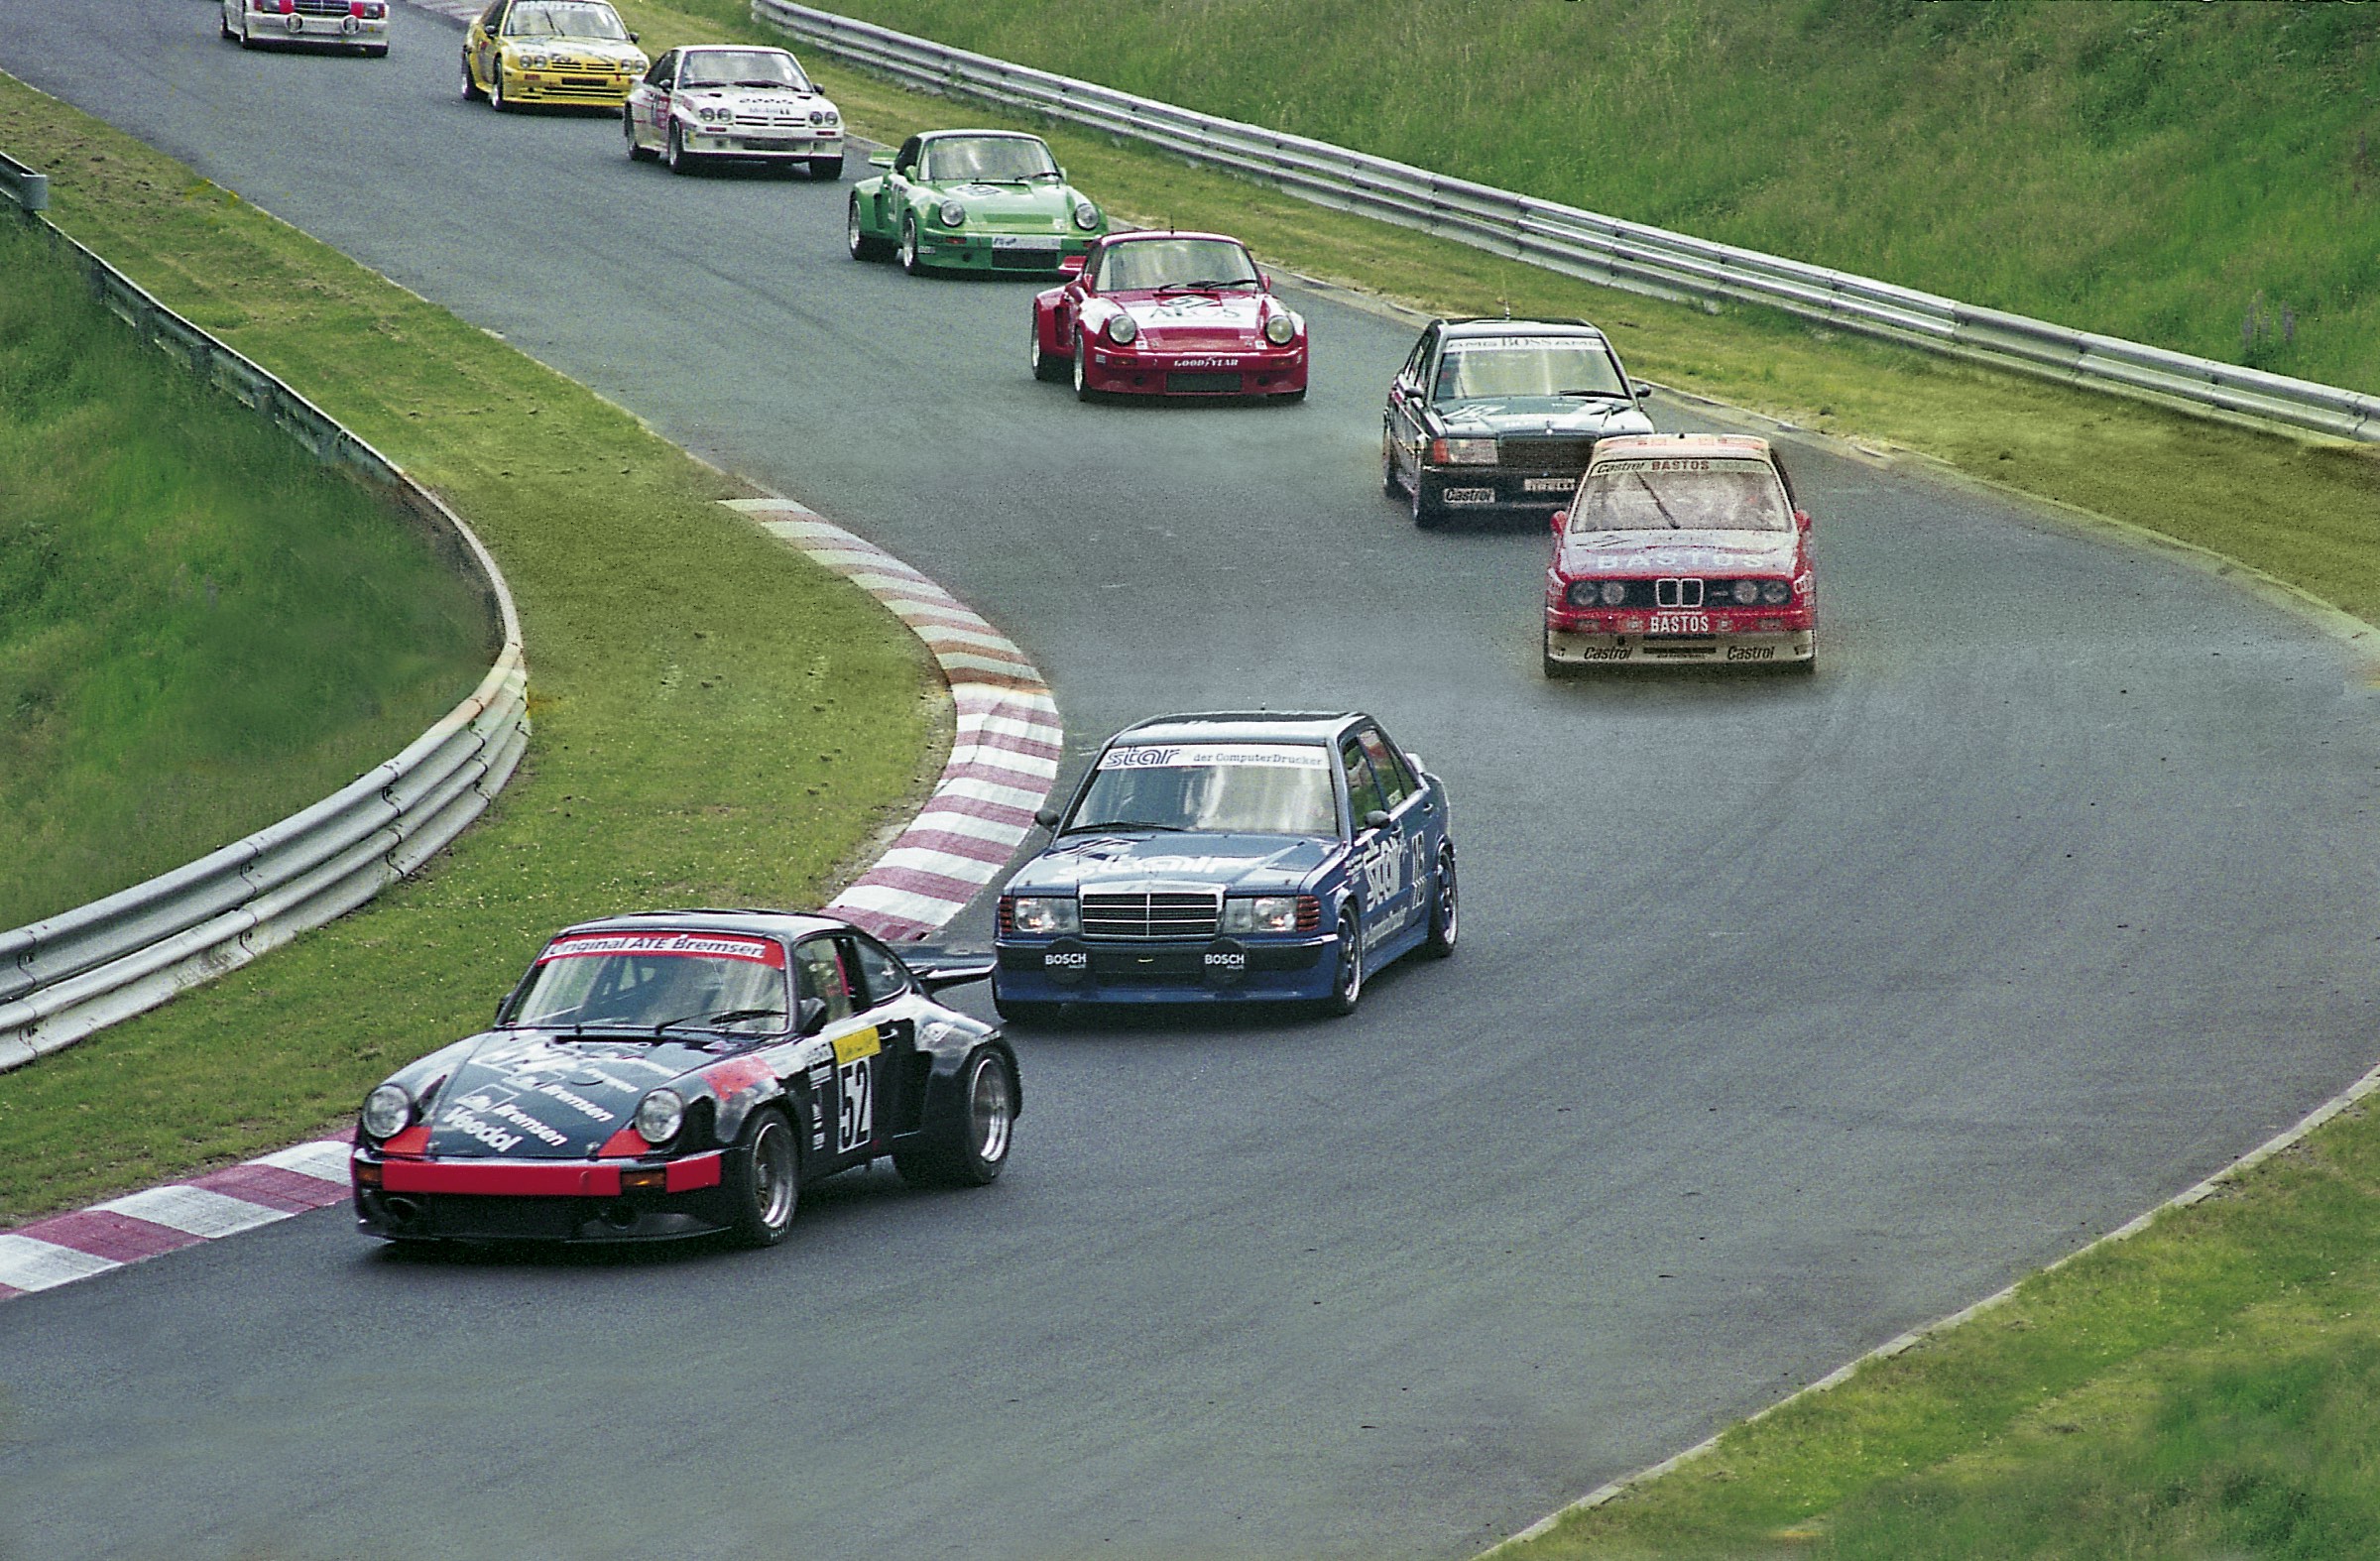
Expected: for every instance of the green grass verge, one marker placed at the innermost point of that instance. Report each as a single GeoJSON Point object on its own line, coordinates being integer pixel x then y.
{"type": "Point", "coordinates": [201, 630]}
{"type": "Point", "coordinates": [2158, 172]}
{"type": "Point", "coordinates": [717, 720]}
{"type": "Point", "coordinates": [2209, 1387]}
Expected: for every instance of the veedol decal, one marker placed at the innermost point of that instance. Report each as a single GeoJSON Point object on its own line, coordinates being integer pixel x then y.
{"type": "Point", "coordinates": [1198, 755]}
{"type": "Point", "coordinates": [713, 945]}
{"type": "Point", "coordinates": [461, 1121]}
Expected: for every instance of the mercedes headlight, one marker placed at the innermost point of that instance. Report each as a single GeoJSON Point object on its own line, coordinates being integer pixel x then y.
{"type": "Point", "coordinates": [660, 1115]}
{"type": "Point", "coordinates": [1121, 331]}
{"type": "Point", "coordinates": [953, 214]}
{"type": "Point", "coordinates": [387, 1111]}
{"type": "Point", "coordinates": [1467, 452]}
{"type": "Point", "coordinates": [1046, 916]}
{"type": "Point", "coordinates": [1262, 913]}
{"type": "Point", "coordinates": [1086, 216]}
{"type": "Point", "coordinates": [1281, 330]}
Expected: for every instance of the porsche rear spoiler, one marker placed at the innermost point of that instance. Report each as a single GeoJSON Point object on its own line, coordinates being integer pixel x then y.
{"type": "Point", "coordinates": [936, 968]}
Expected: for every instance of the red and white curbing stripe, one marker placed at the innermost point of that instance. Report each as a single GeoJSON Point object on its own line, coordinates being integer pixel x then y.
{"type": "Point", "coordinates": [1002, 761]}
{"type": "Point", "coordinates": [1001, 764]}
{"type": "Point", "coordinates": [68, 1246]}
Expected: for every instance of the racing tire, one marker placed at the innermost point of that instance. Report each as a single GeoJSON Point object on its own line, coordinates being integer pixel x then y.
{"type": "Point", "coordinates": [1082, 375]}
{"type": "Point", "coordinates": [1391, 486]}
{"type": "Point", "coordinates": [628, 131]}
{"type": "Point", "coordinates": [1446, 908]}
{"type": "Point", "coordinates": [674, 154]}
{"type": "Point", "coordinates": [826, 170]}
{"type": "Point", "coordinates": [1047, 367]}
{"type": "Point", "coordinates": [1346, 981]}
{"type": "Point", "coordinates": [973, 1151]}
{"type": "Point", "coordinates": [856, 238]}
{"type": "Point", "coordinates": [471, 91]}
{"type": "Point", "coordinates": [762, 1176]}
{"type": "Point", "coordinates": [1426, 515]}
{"type": "Point", "coordinates": [908, 247]}
{"type": "Point", "coordinates": [1025, 1014]}
{"type": "Point", "coordinates": [495, 97]}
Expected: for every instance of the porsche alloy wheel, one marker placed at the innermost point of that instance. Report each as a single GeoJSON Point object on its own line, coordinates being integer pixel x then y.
{"type": "Point", "coordinates": [471, 91]}
{"type": "Point", "coordinates": [1346, 984]}
{"type": "Point", "coordinates": [764, 1178]}
{"type": "Point", "coordinates": [855, 237]}
{"type": "Point", "coordinates": [909, 246]}
{"type": "Point", "coordinates": [1082, 376]}
{"type": "Point", "coordinates": [1047, 366]}
{"type": "Point", "coordinates": [676, 155]}
{"type": "Point", "coordinates": [1445, 908]}
{"type": "Point", "coordinates": [972, 1150]}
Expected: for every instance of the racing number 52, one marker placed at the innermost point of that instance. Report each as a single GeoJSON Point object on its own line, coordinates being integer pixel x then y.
{"type": "Point", "coordinates": [855, 1122]}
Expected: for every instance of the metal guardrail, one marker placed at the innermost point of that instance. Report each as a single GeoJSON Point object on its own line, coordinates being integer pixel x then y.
{"type": "Point", "coordinates": [72, 973]}
{"type": "Point", "coordinates": [1600, 248]}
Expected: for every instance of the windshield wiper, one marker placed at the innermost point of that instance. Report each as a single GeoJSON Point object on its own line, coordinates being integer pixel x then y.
{"type": "Point", "coordinates": [1207, 284]}
{"type": "Point", "coordinates": [1659, 504]}
{"type": "Point", "coordinates": [731, 1017]}
{"type": "Point", "coordinates": [1125, 823]}
{"type": "Point", "coordinates": [788, 85]}
{"type": "Point", "coordinates": [1594, 395]}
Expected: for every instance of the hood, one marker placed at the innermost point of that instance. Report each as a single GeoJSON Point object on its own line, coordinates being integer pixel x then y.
{"type": "Point", "coordinates": [601, 53]}
{"type": "Point", "coordinates": [1678, 552]}
{"type": "Point", "coordinates": [538, 1094]}
{"type": "Point", "coordinates": [773, 102]}
{"type": "Point", "coordinates": [1199, 320]}
{"type": "Point", "coordinates": [1010, 209]}
{"type": "Point", "coordinates": [1542, 415]}
{"type": "Point", "coordinates": [1260, 863]}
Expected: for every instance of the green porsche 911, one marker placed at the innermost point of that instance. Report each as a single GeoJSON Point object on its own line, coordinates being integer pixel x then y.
{"type": "Point", "coordinates": [971, 200]}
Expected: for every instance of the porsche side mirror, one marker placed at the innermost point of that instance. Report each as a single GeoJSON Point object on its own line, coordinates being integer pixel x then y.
{"type": "Point", "coordinates": [1801, 520]}
{"type": "Point", "coordinates": [1377, 819]}
{"type": "Point", "coordinates": [881, 160]}
{"type": "Point", "coordinates": [811, 1015]}
{"type": "Point", "coordinates": [1046, 817]}
{"type": "Point", "coordinates": [1072, 264]}
{"type": "Point", "coordinates": [1561, 519]}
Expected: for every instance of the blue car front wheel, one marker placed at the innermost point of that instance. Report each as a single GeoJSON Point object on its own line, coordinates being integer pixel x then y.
{"type": "Point", "coordinates": [1347, 982]}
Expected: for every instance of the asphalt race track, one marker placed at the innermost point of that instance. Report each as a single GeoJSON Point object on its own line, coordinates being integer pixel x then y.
{"type": "Point", "coordinates": [1791, 1013]}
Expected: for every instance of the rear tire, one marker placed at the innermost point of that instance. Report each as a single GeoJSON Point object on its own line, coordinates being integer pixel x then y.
{"type": "Point", "coordinates": [972, 1150]}
{"type": "Point", "coordinates": [763, 1176]}
{"type": "Point", "coordinates": [1391, 486]}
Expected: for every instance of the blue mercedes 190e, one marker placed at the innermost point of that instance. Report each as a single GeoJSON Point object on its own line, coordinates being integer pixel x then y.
{"type": "Point", "coordinates": [1231, 857]}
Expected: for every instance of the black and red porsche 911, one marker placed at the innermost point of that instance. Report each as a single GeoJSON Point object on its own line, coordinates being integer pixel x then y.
{"type": "Point", "coordinates": [681, 1073]}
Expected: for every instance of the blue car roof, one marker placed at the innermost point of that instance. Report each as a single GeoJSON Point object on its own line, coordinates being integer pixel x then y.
{"type": "Point", "coordinates": [1246, 726]}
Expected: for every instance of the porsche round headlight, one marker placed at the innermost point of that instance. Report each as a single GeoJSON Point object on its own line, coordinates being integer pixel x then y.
{"type": "Point", "coordinates": [1086, 216]}
{"type": "Point", "coordinates": [1121, 331]}
{"type": "Point", "coordinates": [387, 1111]}
{"type": "Point", "coordinates": [953, 214]}
{"type": "Point", "coordinates": [1280, 330]}
{"type": "Point", "coordinates": [1747, 592]}
{"type": "Point", "coordinates": [1614, 593]}
{"type": "Point", "coordinates": [660, 1115]}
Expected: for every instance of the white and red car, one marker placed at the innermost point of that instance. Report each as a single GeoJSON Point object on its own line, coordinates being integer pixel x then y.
{"type": "Point", "coordinates": [1680, 547]}
{"type": "Point", "coordinates": [1167, 313]}
{"type": "Point", "coordinates": [360, 25]}
{"type": "Point", "coordinates": [712, 103]}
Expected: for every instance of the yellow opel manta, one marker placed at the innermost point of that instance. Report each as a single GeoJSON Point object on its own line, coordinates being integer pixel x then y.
{"type": "Point", "coordinates": [521, 51]}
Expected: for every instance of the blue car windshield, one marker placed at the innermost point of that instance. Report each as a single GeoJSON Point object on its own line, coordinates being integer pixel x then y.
{"type": "Point", "coordinates": [1274, 788]}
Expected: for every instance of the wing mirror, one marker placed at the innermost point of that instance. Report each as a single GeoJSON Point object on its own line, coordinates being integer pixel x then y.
{"type": "Point", "coordinates": [1561, 520]}
{"type": "Point", "coordinates": [1046, 817]}
{"type": "Point", "coordinates": [631, 38]}
{"type": "Point", "coordinates": [1377, 819]}
{"type": "Point", "coordinates": [1801, 520]}
{"type": "Point", "coordinates": [881, 160]}
{"type": "Point", "coordinates": [1644, 393]}
{"type": "Point", "coordinates": [1072, 264]}
{"type": "Point", "coordinates": [811, 1015]}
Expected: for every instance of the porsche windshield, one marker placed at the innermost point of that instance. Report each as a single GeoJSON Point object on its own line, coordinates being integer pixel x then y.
{"type": "Point", "coordinates": [648, 980]}
{"type": "Point", "coordinates": [1274, 788]}
{"type": "Point", "coordinates": [1691, 494]}
{"type": "Point", "coordinates": [1476, 367]}
{"type": "Point", "coordinates": [988, 160]}
{"type": "Point", "coordinates": [742, 67]}
{"type": "Point", "coordinates": [554, 20]}
{"type": "Point", "coordinates": [1157, 263]}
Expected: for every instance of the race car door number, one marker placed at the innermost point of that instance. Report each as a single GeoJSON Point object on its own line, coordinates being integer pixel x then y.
{"type": "Point", "coordinates": [1680, 623]}
{"type": "Point", "coordinates": [1547, 485]}
{"type": "Point", "coordinates": [855, 1088]}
